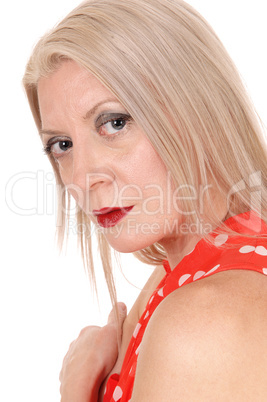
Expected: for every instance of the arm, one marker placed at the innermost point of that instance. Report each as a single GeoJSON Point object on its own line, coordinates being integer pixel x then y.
{"type": "Point", "coordinates": [206, 342]}
{"type": "Point", "coordinates": [90, 359]}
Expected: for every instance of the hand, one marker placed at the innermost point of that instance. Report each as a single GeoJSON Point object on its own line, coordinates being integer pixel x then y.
{"type": "Point", "coordinates": [90, 359]}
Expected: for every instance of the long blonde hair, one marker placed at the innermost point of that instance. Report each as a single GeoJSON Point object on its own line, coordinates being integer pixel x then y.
{"type": "Point", "coordinates": [167, 67]}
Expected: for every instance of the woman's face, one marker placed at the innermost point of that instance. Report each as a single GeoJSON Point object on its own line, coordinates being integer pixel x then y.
{"type": "Point", "coordinates": [106, 161]}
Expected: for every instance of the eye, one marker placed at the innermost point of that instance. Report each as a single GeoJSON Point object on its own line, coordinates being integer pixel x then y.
{"type": "Point", "coordinates": [57, 147]}
{"type": "Point", "coordinates": [113, 126]}
{"type": "Point", "coordinates": [110, 124]}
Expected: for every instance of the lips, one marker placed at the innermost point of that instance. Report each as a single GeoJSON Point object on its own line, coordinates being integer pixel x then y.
{"type": "Point", "coordinates": [108, 217]}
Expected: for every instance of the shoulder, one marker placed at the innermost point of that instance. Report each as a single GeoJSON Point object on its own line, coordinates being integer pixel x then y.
{"type": "Point", "coordinates": [210, 332]}
{"type": "Point", "coordinates": [139, 306]}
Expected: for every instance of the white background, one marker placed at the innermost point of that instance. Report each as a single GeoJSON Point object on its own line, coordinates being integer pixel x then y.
{"type": "Point", "coordinates": [46, 298]}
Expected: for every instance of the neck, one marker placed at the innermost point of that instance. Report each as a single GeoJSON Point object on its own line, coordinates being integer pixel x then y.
{"type": "Point", "coordinates": [178, 248]}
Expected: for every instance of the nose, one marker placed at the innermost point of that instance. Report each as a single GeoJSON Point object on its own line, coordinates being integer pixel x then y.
{"type": "Point", "coordinates": [90, 169]}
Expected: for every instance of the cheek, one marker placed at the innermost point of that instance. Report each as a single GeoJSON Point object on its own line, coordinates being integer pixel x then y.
{"type": "Point", "coordinates": [66, 174]}
{"type": "Point", "coordinates": [150, 184]}
{"type": "Point", "coordinates": [65, 170]}
{"type": "Point", "coordinates": [144, 167]}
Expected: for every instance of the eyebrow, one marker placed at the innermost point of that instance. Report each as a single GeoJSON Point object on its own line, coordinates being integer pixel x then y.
{"type": "Point", "coordinates": [87, 116]}
{"type": "Point", "coordinates": [92, 111]}
{"type": "Point", "coordinates": [51, 132]}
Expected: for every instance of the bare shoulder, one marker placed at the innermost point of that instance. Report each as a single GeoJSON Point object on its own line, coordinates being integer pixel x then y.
{"type": "Point", "coordinates": [207, 341]}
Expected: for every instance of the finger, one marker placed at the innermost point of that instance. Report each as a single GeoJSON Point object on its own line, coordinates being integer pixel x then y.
{"type": "Point", "coordinates": [118, 314]}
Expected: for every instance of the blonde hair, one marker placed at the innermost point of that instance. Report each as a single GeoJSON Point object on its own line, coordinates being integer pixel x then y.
{"type": "Point", "coordinates": [167, 67]}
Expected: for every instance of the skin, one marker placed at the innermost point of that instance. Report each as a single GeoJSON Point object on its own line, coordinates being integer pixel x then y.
{"type": "Point", "coordinates": [182, 346]}
{"type": "Point", "coordinates": [207, 342]}
{"type": "Point", "coordinates": [77, 383]}
{"type": "Point", "coordinates": [123, 168]}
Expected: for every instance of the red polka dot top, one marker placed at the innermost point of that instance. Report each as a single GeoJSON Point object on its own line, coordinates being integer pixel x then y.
{"type": "Point", "coordinates": [207, 258]}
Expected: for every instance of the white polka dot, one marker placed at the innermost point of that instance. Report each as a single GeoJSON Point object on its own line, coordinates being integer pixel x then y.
{"type": "Point", "coordinates": [160, 292]}
{"type": "Point", "coordinates": [198, 275]}
{"type": "Point", "coordinates": [212, 270]}
{"type": "Point", "coordinates": [264, 270]}
{"type": "Point", "coordinates": [190, 252]}
{"type": "Point", "coordinates": [137, 350]}
{"type": "Point", "coordinates": [151, 299]}
{"type": "Point", "coordinates": [132, 370]}
{"type": "Point", "coordinates": [260, 250]}
{"type": "Point", "coordinates": [183, 279]}
{"type": "Point", "coordinates": [117, 394]}
{"type": "Point", "coordinates": [138, 326]}
{"type": "Point", "coordinates": [220, 239]}
{"type": "Point", "coordinates": [147, 314]}
{"type": "Point", "coordinates": [246, 249]}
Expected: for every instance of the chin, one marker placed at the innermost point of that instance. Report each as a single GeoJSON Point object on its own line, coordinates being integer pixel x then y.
{"type": "Point", "coordinates": [130, 244]}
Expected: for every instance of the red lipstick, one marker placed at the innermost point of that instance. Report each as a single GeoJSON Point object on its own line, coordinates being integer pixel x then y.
{"type": "Point", "coordinates": [108, 217]}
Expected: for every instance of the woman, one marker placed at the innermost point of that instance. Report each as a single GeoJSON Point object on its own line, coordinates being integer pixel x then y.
{"type": "Point", "coordinates": [147, 125]}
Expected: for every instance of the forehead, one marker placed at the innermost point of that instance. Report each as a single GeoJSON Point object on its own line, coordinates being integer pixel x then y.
{"type": "Point", "coordinates": [71, 87]}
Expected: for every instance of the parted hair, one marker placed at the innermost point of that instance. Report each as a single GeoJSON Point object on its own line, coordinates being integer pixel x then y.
{"type": "Point", "coordinates": [168, 68]}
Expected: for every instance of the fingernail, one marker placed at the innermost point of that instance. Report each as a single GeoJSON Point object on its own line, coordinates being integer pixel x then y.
{"type": "Point", "coordinates": [122, 306]}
